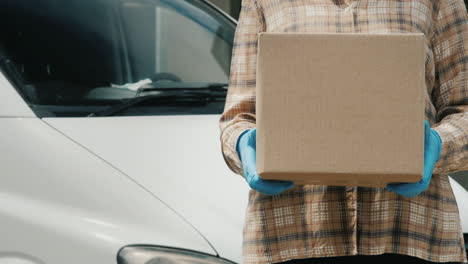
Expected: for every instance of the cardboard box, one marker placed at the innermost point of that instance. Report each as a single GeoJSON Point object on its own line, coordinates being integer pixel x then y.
{"type": "Point", "coordinates": [341, 109]}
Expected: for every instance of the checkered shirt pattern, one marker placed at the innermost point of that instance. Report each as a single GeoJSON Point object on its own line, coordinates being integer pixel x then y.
{"type": "Point", "coordinates": [319, 221]}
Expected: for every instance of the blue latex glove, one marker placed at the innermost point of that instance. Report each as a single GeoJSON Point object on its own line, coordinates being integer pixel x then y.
{"type": "Point", "coordinates": [432, 148]}
{"type": "Point", "coordinates": [247, 150]}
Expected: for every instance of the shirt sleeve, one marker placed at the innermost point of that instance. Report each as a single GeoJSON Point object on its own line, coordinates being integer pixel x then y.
{"type": "Point", "coordinates": [239, 110]}
{"type": "Point", "coordinates": [450, 42]}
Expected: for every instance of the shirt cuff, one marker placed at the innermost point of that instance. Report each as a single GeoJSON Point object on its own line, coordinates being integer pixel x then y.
{"type": "Point", "coordinates": [442, 165]}
{"type": "Point", "coordinates": [229, 140]}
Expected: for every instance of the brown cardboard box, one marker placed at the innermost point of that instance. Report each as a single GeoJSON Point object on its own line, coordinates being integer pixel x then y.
{"type": "Point", "coordinates": [340, 108]}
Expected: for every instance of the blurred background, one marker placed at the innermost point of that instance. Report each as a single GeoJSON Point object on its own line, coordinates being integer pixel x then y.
{"type": "Point", "coordinates": [232, 7]}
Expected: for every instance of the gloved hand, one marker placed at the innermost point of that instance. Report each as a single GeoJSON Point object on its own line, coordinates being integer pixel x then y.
{"type": "Point", "coordinates": [246, 147]}
{"type": "Point", "coordinates": [432, 148]}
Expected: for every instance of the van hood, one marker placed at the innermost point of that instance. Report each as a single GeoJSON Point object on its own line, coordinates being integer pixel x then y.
{"type": "Point", "coordinates": [178, 159]}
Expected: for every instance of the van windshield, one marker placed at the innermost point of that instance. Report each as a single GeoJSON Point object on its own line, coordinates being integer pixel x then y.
{"type": "Point", "coordinates": [76, 57]}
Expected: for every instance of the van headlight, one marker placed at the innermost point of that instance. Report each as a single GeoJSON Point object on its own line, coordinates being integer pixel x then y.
{"type": "Point", "coordinates": [164, 255]}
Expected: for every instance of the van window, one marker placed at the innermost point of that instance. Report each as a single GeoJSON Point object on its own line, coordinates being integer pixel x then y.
{"type": "Point", "coordinates": [461, 177]}
{"type": "Point", "coordinates": [80, 57]}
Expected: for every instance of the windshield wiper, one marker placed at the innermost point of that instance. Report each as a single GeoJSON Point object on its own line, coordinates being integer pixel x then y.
{"type": "Point", "coordinates": [207, 93]}
{"type": "Point", "coordinates": [175, 86]}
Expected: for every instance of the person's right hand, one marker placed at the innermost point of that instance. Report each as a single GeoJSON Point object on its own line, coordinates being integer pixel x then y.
{"type": "Point", "coordinates": [246, 148]}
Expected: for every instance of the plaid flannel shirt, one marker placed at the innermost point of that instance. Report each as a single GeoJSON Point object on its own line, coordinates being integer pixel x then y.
{"type": "Point", "coordinates": [320, 221]}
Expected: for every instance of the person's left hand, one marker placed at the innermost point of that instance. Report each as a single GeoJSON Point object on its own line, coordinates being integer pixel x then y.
{"type": "Point", "coordinates": [432, 148]}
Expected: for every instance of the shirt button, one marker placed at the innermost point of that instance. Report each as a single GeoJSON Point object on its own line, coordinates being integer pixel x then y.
{"type": "Point", "coordinates": [350, 6]}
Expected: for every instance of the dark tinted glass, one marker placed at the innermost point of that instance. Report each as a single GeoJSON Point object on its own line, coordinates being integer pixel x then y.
{"type": "Point", "coordinates": [76, 57]}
